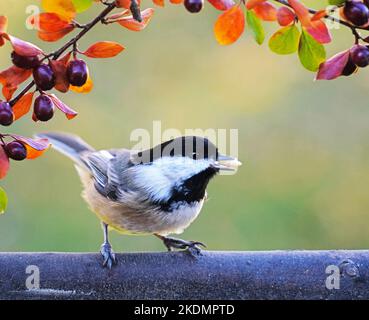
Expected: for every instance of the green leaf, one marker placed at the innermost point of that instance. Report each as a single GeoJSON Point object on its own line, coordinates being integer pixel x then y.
{"type": "Point", "coordinates": [256, 27]}
{"type": "Point", "coordinates": [3, 201]}
{"type": "Point", "coordinates": [82, 5]}
{"type": "Point", "coordinates": [311, 52]}
{"type": "Point", "coordinates": [336, 2]}
{"type": "Point", "coordinates": [285, 40]}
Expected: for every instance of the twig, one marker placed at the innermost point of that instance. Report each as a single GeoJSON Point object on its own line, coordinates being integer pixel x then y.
{"type": "Point", "coordinates": [55, 55]}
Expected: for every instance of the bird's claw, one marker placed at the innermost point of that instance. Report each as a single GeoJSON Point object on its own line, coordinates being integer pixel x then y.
{"type": "Point", "coordinates": [192, 247]}
{"type": "Point", "coordinates": [108, 255]}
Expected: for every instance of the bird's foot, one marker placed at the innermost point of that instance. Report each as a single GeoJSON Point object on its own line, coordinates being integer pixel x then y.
{"type": "Point", "coordinates": [192, 247]}
{"type": "Point", "coordinates": [108, 255]}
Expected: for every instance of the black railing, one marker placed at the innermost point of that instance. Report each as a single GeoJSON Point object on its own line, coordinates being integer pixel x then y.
{"type": "Point", "coordinates": [214, 275]}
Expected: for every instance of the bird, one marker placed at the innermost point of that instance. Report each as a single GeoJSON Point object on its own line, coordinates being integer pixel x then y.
{"type": "Point", "coordinates": [158, 191]}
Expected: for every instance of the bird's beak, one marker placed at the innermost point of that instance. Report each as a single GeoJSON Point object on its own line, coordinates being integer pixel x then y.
{"type": "Point", "coordinates": [227, 163]}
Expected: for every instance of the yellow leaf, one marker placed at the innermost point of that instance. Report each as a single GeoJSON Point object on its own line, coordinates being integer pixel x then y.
{"type": "Point", "coordinates": [86, 88]}
{"type": "Point", "coordinates": [63, 8]}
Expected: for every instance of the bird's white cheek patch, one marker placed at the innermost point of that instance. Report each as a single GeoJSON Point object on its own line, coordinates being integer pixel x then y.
{"type": "Point", "coordinates": [160, 177]}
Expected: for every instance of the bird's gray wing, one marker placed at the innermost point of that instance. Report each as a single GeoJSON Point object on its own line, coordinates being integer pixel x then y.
{"type": "Point", "coordinates": [117, 167]}
{"type": "Point", "coordinates": [106, 167]}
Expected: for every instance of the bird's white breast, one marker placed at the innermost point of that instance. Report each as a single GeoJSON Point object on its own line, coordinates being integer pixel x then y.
{"type": "Point", "coordinates": [179, 219]}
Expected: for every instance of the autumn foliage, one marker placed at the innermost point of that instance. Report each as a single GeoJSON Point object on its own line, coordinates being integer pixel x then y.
{"type": "Point", "coordinates": [62, 70]}
{"type": "Point", "coordinates": [300, 30]}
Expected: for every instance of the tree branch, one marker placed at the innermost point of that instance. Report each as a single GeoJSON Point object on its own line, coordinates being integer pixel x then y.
{"type": "Point", "coordinates": [55, 55]}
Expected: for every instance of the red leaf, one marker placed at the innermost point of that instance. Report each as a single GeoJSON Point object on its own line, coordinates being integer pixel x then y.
{"type": "Point", "coordinates": [48, 22]}
{"type": "Point", "coordinates": [23, 105]}
{"type": "Point", "coordinates": [65, 59]}
{"type": "Point", "coordinates": [319, 31]}
{"type": "Point", "coordinates": [60, 70]}
{"type": "Point", "coordinates": [301, 11]}
{"type": "Point", "coordinates": [131, 24]}
{"type": "Point", "coordinates": [35, 147]}
{"type": "Point", "coordinates": [285, 16]}
{"type": "Point", "coordinates": [69, 113]}
{"type": "Point", "coordinates": [222, 4]}
{"type": "Point", "coordinates": [229, 25]}
{"type": "Point", "coordinates": [252, 3]}
{"type": "Point", "coordinates": [3, 24]}
{"type": "Point", "coordinates": [56, 35]}
{"type": "Point", "coordinates": [104, 49]}
{"type": "Point", "coordinates": [24, 48]}
{"type": "Point", "coordinates": [3, 28]}
{"type": "Point", "coordinates": [159, 3]}
{"type": "Point", "coordinates": [319, 15]}
{"type": "Point", "coordinates": [125, 3]}
{"type": "Point", "coordinates": [4, 163]}
{"type": "Point", "coordinates": [333, 67]}
{"type": "Point", "coordinates": [50, 26]}
{"type": "Point", "coordinates": [117, 15]}
{"type": "Point", "coordinates": [11, 78]}
{"type": "Point", "coordinates": [266, 11]}
{"type": "Point", "coordinates": [317, 28]}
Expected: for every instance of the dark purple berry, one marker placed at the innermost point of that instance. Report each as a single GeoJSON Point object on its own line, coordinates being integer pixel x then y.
{"type": "Point", "coordinates": [349, 68]}
{"type": "Point", "coordinates": [356, 12]}
{"type": "Point", "coordinates": [16, 150]}
{"type": "Point", "coordinates": [360, 55]}
{"type": "Point", "coordinates": [6, 114]}
{"type": "Point", "coordinates": [44, 77]}
{"type": "Point", "coordinates": [43, 108]}
{"type": "Point", "coordinates": [25, 62]}
{"type": "Point", "coordinates": [77, 73]}
{"type": "Point", "coordinates": [193, 6]}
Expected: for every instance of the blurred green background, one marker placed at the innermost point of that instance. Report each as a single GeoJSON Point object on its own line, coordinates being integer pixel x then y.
{"type": "Point", "coordinates": [305, 144]}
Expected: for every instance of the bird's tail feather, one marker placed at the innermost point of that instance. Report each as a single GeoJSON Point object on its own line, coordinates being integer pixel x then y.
{"type": "Point", "coordinates": [70, 145]}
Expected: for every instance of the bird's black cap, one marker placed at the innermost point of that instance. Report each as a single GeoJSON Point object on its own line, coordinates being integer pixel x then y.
{"type": "Point", "coordinates": [193, 147]}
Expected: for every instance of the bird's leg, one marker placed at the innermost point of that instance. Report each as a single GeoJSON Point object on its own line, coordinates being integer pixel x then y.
{"type": "Point", "coordinates": [174, 243]}
{"type": "Point", "coordinates": [106, 250]}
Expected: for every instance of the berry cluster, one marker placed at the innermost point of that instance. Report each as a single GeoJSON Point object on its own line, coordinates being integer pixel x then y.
{"type": "Point", "coordinates": [45, 79]}
{"type": "Point", "coordinates": [61, 70]}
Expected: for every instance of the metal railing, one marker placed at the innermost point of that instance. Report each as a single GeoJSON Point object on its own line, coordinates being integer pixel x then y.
{"type": "Point", "coordinates": [337, 274]}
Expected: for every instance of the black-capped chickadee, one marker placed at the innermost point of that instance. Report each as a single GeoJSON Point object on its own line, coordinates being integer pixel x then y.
{"type": "Point", "coordinates": [158, 191]}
